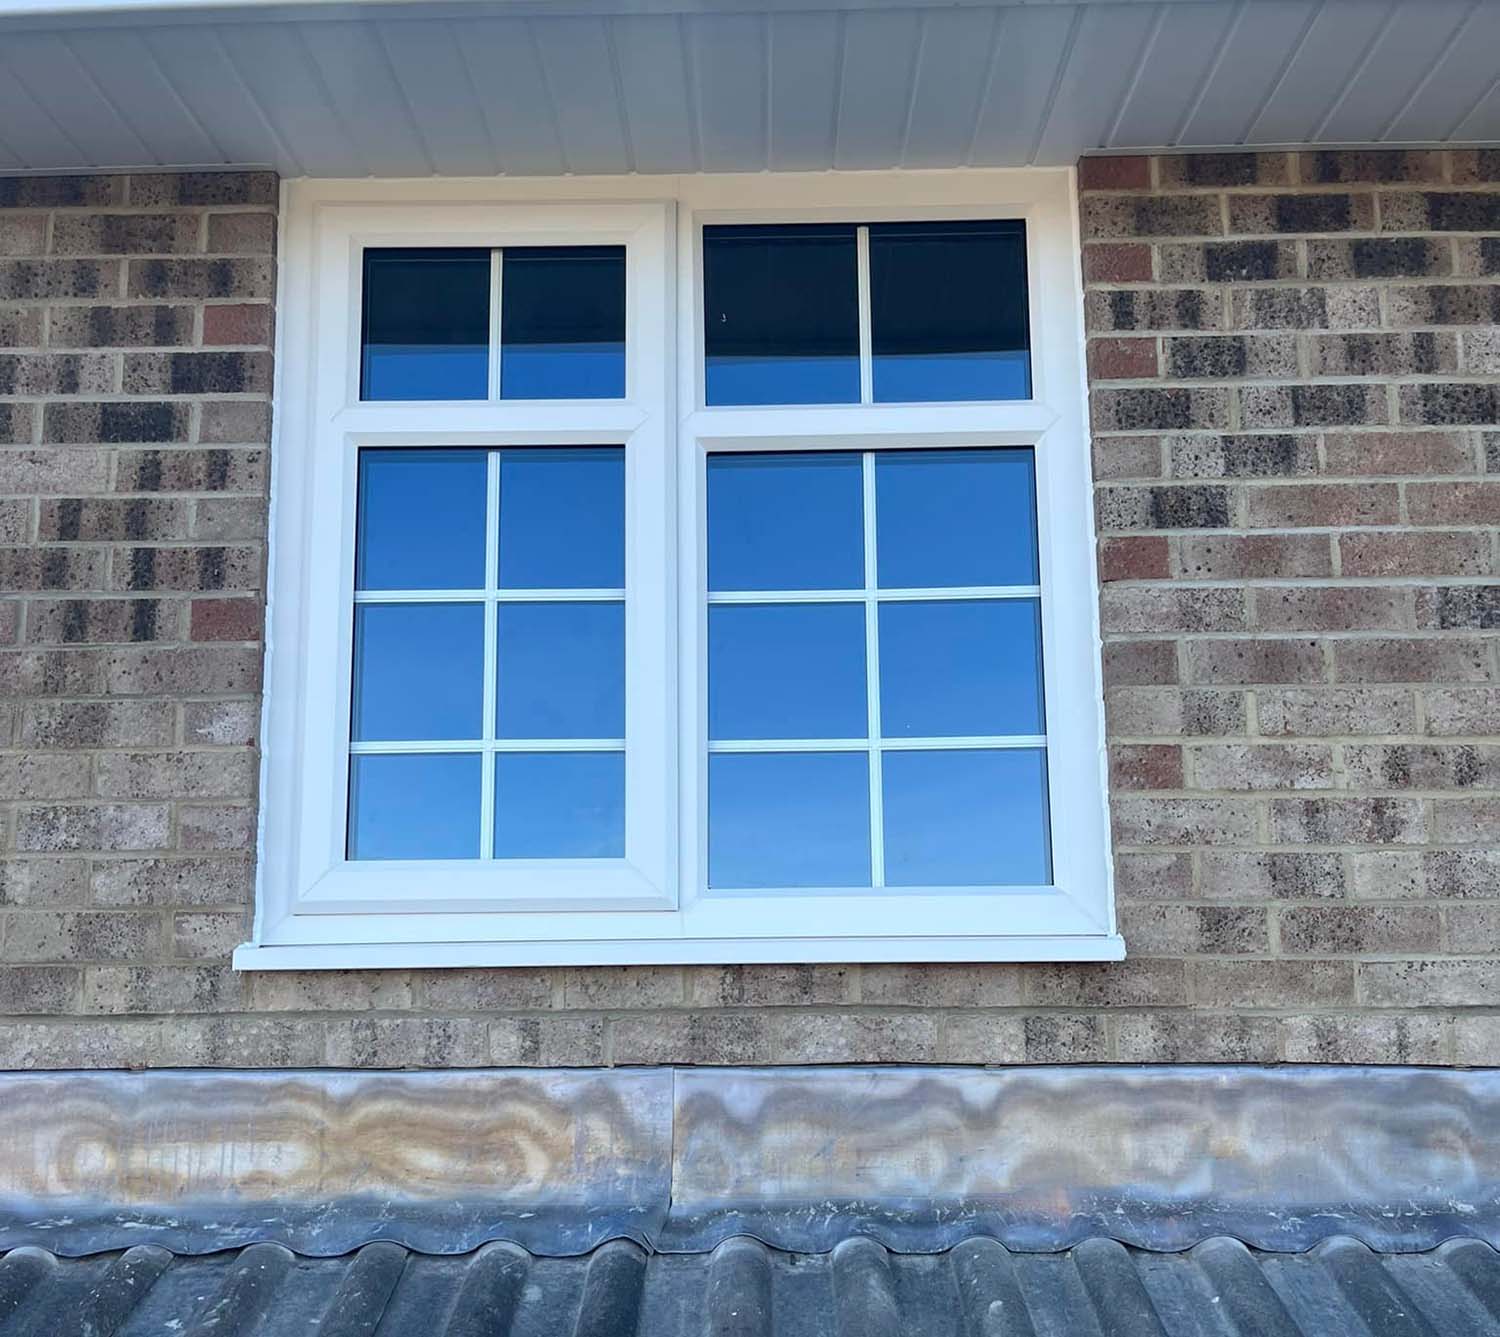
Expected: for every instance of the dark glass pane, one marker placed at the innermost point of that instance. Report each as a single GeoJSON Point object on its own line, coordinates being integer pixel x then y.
{"type": "Point", "coordinates": [418, 671]}
{"type": "Point", "coordinates": [559, 805]}
{"type": "Point", "coordinates": [785, 522]}
{"type": "Point", "coordinates": [562, 322]}
{"type": "Point", "coordinates": [414, 806]}
{"type": "Point", "coordinates": [426, 324]}
{"type": "Point", "coordinates": [948, 311]}
{"type": "Point", "coordinates": [955, 517]}
{"type": "Point", "coordinates": [561, 671]}
{"type": "Point", "coordinates": [562, 519]}
{"type": "Point", "coordinates": [786, 671]}
{"type": "Point", "coordinates": [789, 819]}
{"type": "Point", "coordinates": [966, 819]}
{"type": "Point", "coordinates": [421, 520]}
{"type": "Point", "coordinates": [960, 669]}
{"type": "Point", "coordinates": [781, 314]}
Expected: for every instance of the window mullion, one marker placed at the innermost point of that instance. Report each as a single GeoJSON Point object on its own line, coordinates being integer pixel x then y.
{"type": "Point", "coordinates": [872, 676]}
{"type": "Point", "coordinates": [497, 270]}
{"type": "Point", "coordinates": [866, 358]}
{"type": "Point", "coordinates": [491, 646]}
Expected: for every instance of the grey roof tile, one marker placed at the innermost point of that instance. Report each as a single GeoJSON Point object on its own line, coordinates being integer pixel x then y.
{"type": "Point", "coordinates": [1100, 1288]}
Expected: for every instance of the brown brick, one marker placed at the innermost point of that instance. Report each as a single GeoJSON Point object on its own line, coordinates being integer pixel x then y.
{"type": "Point", "coordinates": [915, 986]}
{"type": "Point", "coordinates": [1153, 877]}
{"type": "Point", "coordinates": [1174, 1037]}
{"type": "Point", "coordinates": [1122, 359]}
{"type": "Point", "coordinates": [1281, 308]}
{"type": "Point", "coordinates": [187, 189]}
{"type": "Point", "coordinates": [1254, 556]}
{"type": "Point", "coordinates": [1230, 357]}
{"type": "Point", "coordinates": [1346, 166]}
{"type": "Point", "coordinates": [1440, 211]}
{"type": "Point", "coordinates": [1321, 712]}
{"type": "Point", "coordinates": [1422, 353]}
{"type": "Point", "coordinates": [1244, 455]}
{"type": "Point", "coordinates": [1334, 608]}
{"type": "Point", "coordinates": [1348, 821]}
{"type": "Point", "coordinates": [1115, 217]}
{"type": "Point", "coordinates": [1117, 262]}
{"type": "Point", "coordinates": [238, 323]}
{"type": "Point", "coordinates": [1301, 213]}
{"type": "Point", "coordinates": [1271, 984]}
{"type": "Point", "coordinates": [1140, 557]}
{"type": "Point", "coordinates": [1152, 410]}
{"type": "Point", "coordinates": [1163, 508]}
{"type": "Point", "coordinates": [1194, 930]}
{"type": "Point", "coordinates": [1255, 661]}
{"type": "Point", "coordinates": [243, 279]}
{"type": "Point", "coordinates": [1378, 258]}
{"type": "Point", "coordinates": [1266, 766]}
{"type": "Point", "coordinates": [1139, 662]}
{"type": "Point", "coordinates": [1142, 820]}
{"type": "Point", "coordinates": [125, 234]}
{"type": "Point", "coordinates": [1358, 930]}
{"type": "Point", "coordinates": [1320, 405]}
{"type": "Point", "coordinates": [1322, 505]}
{"type": "Point", "coordinates": [1114, 173]}
{"type": "Point", "coordinates": [1172, 712]}
{"type": "Point", "coordinates": [33, 280]}
{"type": "Point", "coordinates": [242, 233]}
{"type": "Point", "coordinates": [216, 373]}
{"type": "Point", "coordinates": [1254, 875]}
{"type": "Point", "coordinates": [1409, 553]}
{"type": "Point", "coordinates": [1136, 310]}
{"type": "Point", "coordinates": [23, 234]}
{"type": "Point", "coordinates": [61, 192]}
{"type": "Point", "coordinates": [1394, 659]}
{"type": "Point", "coordinates": [1145, 766]}
{"type": "Point", "coordinates": [1153, 609]}
{"type": "Point", "coordinates": [1144, 983]}
{"type": "Point", "coordinates": [1227, 262]}
{"type": "Point", "coordinates": [804, 985]}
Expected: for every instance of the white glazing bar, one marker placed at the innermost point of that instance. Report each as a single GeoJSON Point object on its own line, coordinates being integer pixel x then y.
{"type": "Point", "coordinates": [402, 745]}
{"type": "Point", "coordinates": [499, 596]}
{"type": "Point", "coordinates": [866, 358]}
{"type": "Point", "coordinates": [491, 638]}
{"type": "Point", "coordinates": [872, 672]}
{"type": "Point", "coordinates": [996, 742]}
{"type": "Point", "coordinates": [497, 268]}
{"type": "Point", "coordinates": [948, 592]}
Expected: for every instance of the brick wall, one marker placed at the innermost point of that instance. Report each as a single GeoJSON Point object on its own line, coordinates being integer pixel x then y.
{"type": "Point", "coordinates": [1296, 363]}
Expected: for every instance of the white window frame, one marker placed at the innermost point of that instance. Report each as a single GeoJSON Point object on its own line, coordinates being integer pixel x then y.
{"type": "Point", "coordinates": [314, 909]}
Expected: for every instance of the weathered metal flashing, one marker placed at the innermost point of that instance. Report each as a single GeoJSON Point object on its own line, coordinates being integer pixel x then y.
{"type": "Point", "coordinates": [680, 1160]}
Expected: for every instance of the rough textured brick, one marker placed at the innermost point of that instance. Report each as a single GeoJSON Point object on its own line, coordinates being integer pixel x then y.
{"type": "Point", "coordinates": [1307, 212]}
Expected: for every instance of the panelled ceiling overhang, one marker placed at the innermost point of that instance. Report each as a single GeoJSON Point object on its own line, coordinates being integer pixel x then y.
{"type": "Point", "coordinates": [542, 87]}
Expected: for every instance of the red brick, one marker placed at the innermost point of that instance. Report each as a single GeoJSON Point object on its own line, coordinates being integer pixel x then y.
{"type": "Point", "coordinates": [1122, 359]}
{"type": "Point", "coordinates": [1117, 262]}
{"type": "Point", "coordinates": [226, 620]}
{"type": "Point", "coordinates": [1143, 557]}
{"type": "Point", "coordinates": [1114, 173]}
{"type": "Point", "coordinates": [1145, 766]}
{"type": "Point", "coordinates": [240, 323]}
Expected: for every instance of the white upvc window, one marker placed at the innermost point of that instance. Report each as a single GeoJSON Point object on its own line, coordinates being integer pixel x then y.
{"type": "Point", "coordinates": [694, 570]}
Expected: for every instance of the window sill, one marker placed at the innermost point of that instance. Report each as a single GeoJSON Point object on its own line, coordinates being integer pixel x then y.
{"type": "Point", "coordinates": [676, 951]}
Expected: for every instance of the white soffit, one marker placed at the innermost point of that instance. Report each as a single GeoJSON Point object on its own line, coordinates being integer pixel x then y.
{"type": "Point", "coordinates": [613, 86]}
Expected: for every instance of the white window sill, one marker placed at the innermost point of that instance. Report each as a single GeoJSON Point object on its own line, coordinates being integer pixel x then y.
{"type": "Point", "coordinates": [675, 951]}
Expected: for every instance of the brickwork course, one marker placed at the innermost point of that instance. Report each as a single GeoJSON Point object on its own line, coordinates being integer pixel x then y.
{"type": "Point", "coordinates": [1295, 369]}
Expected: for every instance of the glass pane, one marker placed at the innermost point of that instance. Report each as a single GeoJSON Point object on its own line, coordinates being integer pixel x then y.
{"type": "Point", "coordinates": [414, 807]}
{"type": "Point", "coordinates": [781, 314]}
{"type": "Point", "coordinates": [418, 671]}
{"type": "Point", "coordinates": [562, 322]}
{"type": "Point", "coordinates": [786, 671]}
{"type": "Point", "coordinates": [561, 671]}
{"type": "Point", "coordinates": [789, 819]}
{"type": "Point", "coordinates": [965, 819]}
{"type": "Point", "coordinates": [948, 311]}
{"type": "Point", "coordinates": [961, 668]}
{"type": "Point", "coordinates": [421, 520]}
{"type": "Point", "coordinates": [426, 324]}
{"type": "Point", "coordinates": [562, 519]}
{"type": "Point", "coordinates": [785, 522]}
{"type": "Point", "coordinates": [560, 805]}
{"type": "Point", "coordinates": [955, 517]}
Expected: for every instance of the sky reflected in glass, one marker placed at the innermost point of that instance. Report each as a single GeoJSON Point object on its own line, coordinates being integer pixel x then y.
{"type": "Point", "coordinates": [426, 324]}
{"type": "Point", "coordinates": [421, 520]}
{"type": "Point", "coordinates": [781, 314]}
{"type": "Point", "coordinates": [414, 806]}
{"type": "Point", "coordinates": [785, 522]}
{"type": "Point", "coordinates": [960, 668]}
{"type": "Point", "coordinates": [418, 672]}
{"type": "Point", "coordinates": [969, 818]}
{"type": "Point", "coordinates": [562, 322]}
{"type": "Point", "coordinates": [562, 518]}
{"type": "Point", "coordinates": [955, 518]}
{"type": "Point", "coordinates": [560, 805]}
{"type": "Point", "coordinates": [786, 671]}
{"type": "Point", "coordinates": [560, 670]}
{"type": "Point", "coordinates": [785, 819]}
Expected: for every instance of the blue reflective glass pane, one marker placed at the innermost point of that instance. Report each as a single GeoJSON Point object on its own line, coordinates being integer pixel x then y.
{"type": "Point", "coordinates": [560, 671]}
{"type": "Point", "coordinates": [789, 819]}
{"type": "Point", "coordinates": [560, 805]}
{"type": "Point", "coordinates": [785, 522]}
{"type": "Point", "coordinates": [786, 671]}
{"type": "Point", "coordinates": [426, 324]}
{"type": "Point", "coordinates": [948, 313]}
{"type": "Point", "coordinates": [966, 819]}
{"type": "Point", "coordinates": [955, 517]}
{"type": "Point", "coordinates": [562, 519]}
{"type": "Point", "coordinates": [961, 668]}
{"type": "Point", "coordinates": [562, 322]}
{"type": "Point", "coordinates": [781, 314]}
{"type": "Point", "coordinates": [418, 671]}
{"type": "Point", "coordinates": [414, 807]}
{"type": "Point", "coordinates": [421, 520]}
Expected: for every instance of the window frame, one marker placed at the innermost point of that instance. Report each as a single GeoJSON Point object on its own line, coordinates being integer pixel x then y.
{"type": "Point", "coordinates": [665, 913]}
